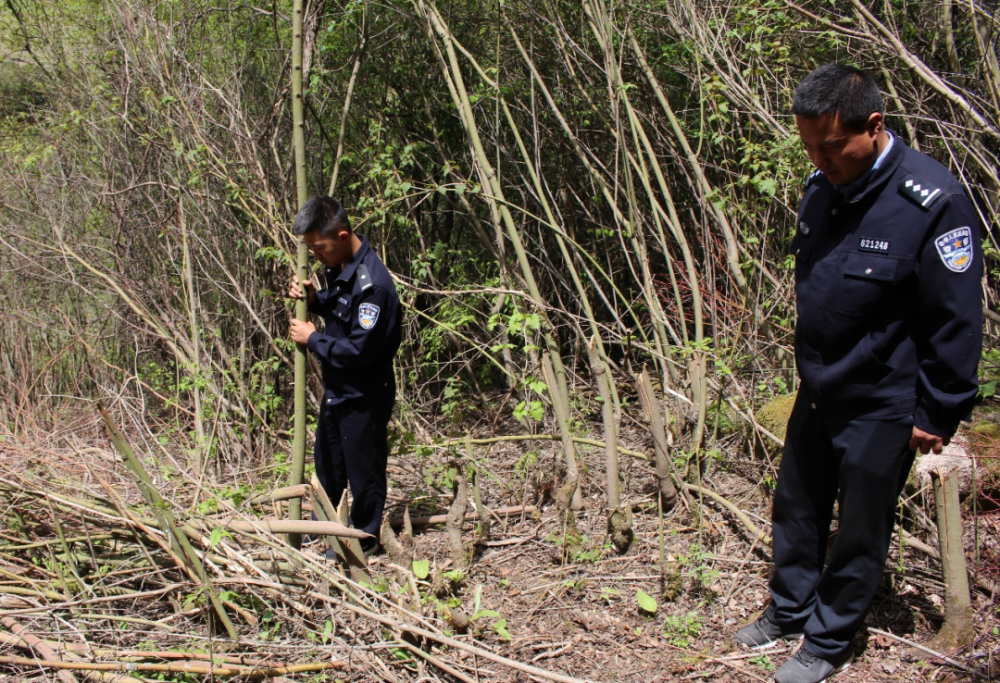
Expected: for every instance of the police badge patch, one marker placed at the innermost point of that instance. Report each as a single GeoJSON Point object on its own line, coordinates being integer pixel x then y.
{"type": "Point", "coordinates": [367, 315]}
{"type": "Point", "coordinates": [803, 227]}
{"type": "Point", "coordinates": [955, 249]}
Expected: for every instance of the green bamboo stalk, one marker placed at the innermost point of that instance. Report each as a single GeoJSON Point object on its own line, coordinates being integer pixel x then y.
{"type": "Point", "coordinates": [302, 266]}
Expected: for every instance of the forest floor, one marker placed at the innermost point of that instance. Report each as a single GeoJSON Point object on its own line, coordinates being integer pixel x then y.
{"type": "Point", "coordinates": [567, 609]}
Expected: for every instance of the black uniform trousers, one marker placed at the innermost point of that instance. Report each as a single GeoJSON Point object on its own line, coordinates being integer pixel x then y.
{"type": "Point", "coordinates": [352, 449]}
{"type": "Point", "coordinates": [863, 465]}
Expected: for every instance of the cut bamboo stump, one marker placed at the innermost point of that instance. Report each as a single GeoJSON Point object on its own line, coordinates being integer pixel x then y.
{"type": "Point", "coordinates": [945, 472]}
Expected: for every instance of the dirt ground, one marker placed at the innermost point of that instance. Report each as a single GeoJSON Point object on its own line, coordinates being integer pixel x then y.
{"type": "Point", "coordinates": [575, 608]}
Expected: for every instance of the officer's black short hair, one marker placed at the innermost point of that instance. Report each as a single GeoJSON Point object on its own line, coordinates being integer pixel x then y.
{"type": "Point", "coordinates": [837, 89]}
{"type": "Point", "coordinates": [323, 214]}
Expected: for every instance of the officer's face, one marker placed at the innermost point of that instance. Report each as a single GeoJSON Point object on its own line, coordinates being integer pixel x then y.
{"type": "Point", "coordinates": [331, 250]}
{"type": "Point", "coordinates": [842, 154]}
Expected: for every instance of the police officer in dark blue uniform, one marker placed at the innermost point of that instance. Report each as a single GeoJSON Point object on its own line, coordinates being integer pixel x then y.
{"type": "Point", "coordinates": [887, 343]}
{"type": "Point", "coordinates": [356, 348]}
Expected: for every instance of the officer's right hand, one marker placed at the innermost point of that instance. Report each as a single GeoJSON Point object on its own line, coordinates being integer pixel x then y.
{"type": "Point", "coordinates": [295, 291]}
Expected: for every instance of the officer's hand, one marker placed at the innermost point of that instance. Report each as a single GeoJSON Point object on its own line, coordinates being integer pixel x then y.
{"type": "Point", "coordinates": [295, 291]}
{"type": "Point", "coordinates": [301, 330]}
{"type": "Point", "coordinates": [925, 442]}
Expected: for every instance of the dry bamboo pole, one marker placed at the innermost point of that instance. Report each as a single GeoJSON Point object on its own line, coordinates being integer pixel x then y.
{"type": "Point", "coordinates": [283, 493]}
{"type": "Point", "coordinates": [247, 673]}
{"type": "Point", "coordinates": [600, 25]}
{"type": "Point", "coordinates": [36, 644]}
{"type": "Point", "coordinates": [302, 266]}
{"type": "Point", "coordinates": [584, 296]}
{"type": "Point", "coordinates": [431, 520]}
{"type": "Point", "coordinates": [169, 524]}
{"type": "Point", "coordinates": [303, 526]}
{"type": "Point", "coordinates": [703, 186]}
{"type": "Point", "coordinates": [451, 70]}
{"type": "Point", "coordinates": [926, 74]}
{"type": "Point", "coordinates": [627, 225]}
{"type": "Point", "coordinates": [358, 59]}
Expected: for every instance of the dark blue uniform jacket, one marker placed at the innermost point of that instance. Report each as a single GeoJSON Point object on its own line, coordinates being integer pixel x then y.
{"type": "Point", "coordinates": [363, 327]}
{"type": "Point", "coordinates": [888, 283]}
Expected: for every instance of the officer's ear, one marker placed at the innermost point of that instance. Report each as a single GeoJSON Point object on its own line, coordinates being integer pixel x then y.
{"type": "Point", "coordinates": [875, 124]}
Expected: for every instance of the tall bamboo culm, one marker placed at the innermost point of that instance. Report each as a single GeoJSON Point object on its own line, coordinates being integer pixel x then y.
{"type": "Point", "coordinates": [301, 312]}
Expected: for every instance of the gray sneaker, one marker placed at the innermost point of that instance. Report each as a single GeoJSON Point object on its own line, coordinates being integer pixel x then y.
{"type": "Point", "coordinates": [806, 667]}
{"type": "Point", "coordinates": [764, 633]}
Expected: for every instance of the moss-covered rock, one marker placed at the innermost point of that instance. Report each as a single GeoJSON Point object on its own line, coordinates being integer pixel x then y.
{"type": "Point", "coordinates": [991, 430]}
{"type": "Point", "coordinates": [773, 415]}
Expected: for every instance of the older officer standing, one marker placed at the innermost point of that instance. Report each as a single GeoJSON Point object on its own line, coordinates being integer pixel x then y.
{"type": "Point", "coordinates": [887, 344]}
{"type": "Point", "coordinates": [356, 348]}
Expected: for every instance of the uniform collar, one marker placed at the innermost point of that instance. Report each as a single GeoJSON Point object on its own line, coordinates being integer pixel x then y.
{"type": "Point", "coordinates": [873, 179]}
{"type": "Point", "coordinates": [348, 269]}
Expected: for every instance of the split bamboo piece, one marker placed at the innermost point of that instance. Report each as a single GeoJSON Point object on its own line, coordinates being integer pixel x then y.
{"type": "Point", "coordinates": [957, 630]}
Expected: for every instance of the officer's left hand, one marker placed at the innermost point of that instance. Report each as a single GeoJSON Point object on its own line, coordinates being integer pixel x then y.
{"type": "Point", "coordinates": [925, 442]}
{"type": "Point", "coordinates": [301, 330]}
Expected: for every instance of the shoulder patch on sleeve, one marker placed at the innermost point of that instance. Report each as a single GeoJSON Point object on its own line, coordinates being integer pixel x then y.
{"type": "Point", "coordinates": [920, 192]}
{"type": "Point", "coordinates": [955, 249]}
{"type": "Point", "coordinates": [364, 277]}
{"type": "Point", "coordinates": [813, 177]}
{"type": "Point", "coordinates": [368, 315]}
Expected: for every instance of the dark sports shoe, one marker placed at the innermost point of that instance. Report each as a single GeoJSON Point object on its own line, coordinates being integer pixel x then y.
{"type": "Point", "coordinates": [764, 633]}
{"type": "Point", "coordinates": [806, 667]}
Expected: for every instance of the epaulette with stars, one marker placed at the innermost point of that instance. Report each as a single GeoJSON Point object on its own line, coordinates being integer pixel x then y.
{"type": "Point", "coordinates": [813, 177]}
{"type": "Point", "coordinates": [919, 191]}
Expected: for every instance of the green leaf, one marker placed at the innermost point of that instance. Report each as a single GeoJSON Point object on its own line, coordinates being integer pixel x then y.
{"type": "Point", "coordinates": [500, 626]}
{"type": "Point", "coordinates": [647, 603]}
{"type": "Point", "coordinates": [486, 613]}
{"type": "Point", "coordinates": [218, 533]}
{"type": "Point", "coordinates": [421, 568]}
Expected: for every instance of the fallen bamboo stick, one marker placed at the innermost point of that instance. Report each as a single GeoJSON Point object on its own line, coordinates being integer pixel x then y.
{"type": "Point", "coordinates": [179, 538]}
{"type": "Point", "coordinates": [290, 526]}
{"type": "Point", "coordinates": [934, 653]}
{"type": "Point", "coordinates": [284, 493]}
{"type": "Point", "coordinates": [36, 645]}
{"type": "Point", "coordinates": [130, 667]}
{"type": "Point", "coordinates": [471, 517]}
{"type": "Point", "coordinates": [92, 601]}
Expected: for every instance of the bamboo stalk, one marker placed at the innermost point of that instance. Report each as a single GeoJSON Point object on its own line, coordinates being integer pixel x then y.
{"type": "Point", "coordinates": [302, 266]}
{"type": "Point", "coordinates": [358, 59]}
{"type": "Point", "coordinates": [430, 520]}
{"type": "Point", "coordinates": [599, 370]}
{"type": "Point", "coordinates": [456, 517]}
{"type": "Point", "coordinates": [168, 522]}
{"type": "Point", "coordinates": [221, 671]}
{"type": "Point", "coordinates": [283, 493]}
{"type": "Point", "coordinates": [289, 526]}
{"type": "Point", "coordinates": [497, 202]}
{"type": "Point", "coordinates": [664, 466]}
